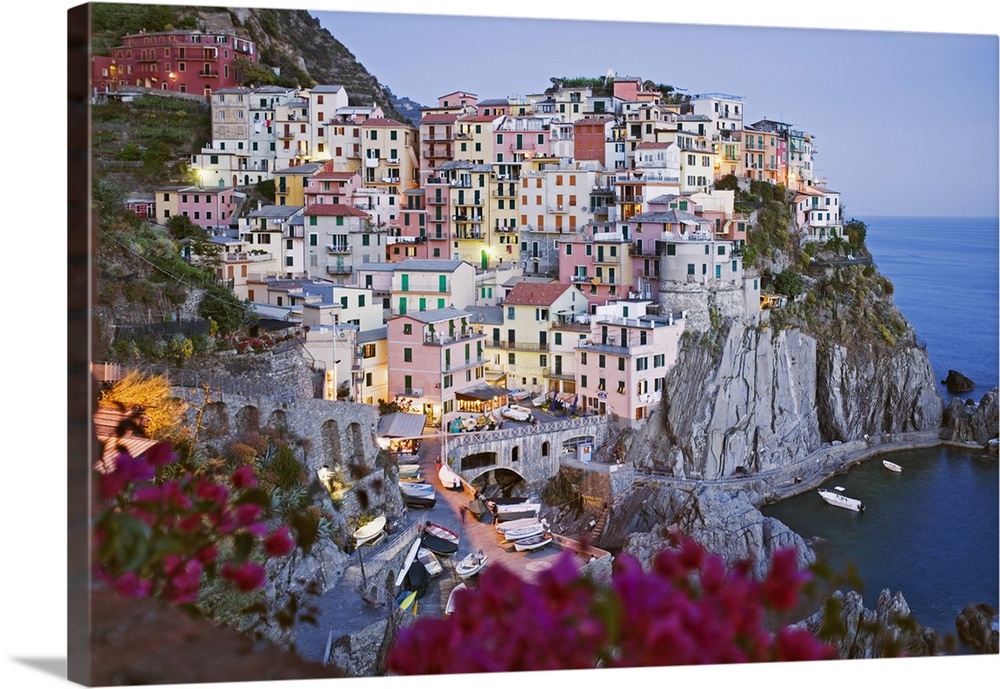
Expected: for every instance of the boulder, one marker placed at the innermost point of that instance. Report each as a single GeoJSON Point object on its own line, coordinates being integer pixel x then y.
{"type": "Point", "coordinates": [956, 383]}
{"type": "Point", "coordinates": [977, 627]}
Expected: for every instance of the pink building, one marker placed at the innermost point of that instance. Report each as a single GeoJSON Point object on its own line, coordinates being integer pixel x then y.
{"type": "Point", "coordinates": [208, 206]}
{"type": "Point", "coordinates": [433, 356]}
{"type": "Point", "coordinates": [411, 239]}
{"type": "Point", "coordinates": [597, 261]}
{"type": "Point", "coordinates": [620, 369]}
{"type": "Point", "coordinates": [522, 138]}
{"type": "Point", "coordinates": [590, 135]}
{"type": "Point", "coordinates": [328, 186]}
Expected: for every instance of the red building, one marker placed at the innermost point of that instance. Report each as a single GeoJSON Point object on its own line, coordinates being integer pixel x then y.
{"type": "Point", "coordinates": [589, 137]}
{"type": "Point", "coordinates": [197, 62]}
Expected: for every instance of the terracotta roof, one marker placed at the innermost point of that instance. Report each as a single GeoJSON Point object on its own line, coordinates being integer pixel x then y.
{"type": "Point", "coordinates": [654, 144]}
{"type": "Point", "coordinates": [531, 294]}
{"type": "Point", "coordinates": [478, 118]}
{"type": "Point", "coordinates": [335, 175]}
{"type": "Point", "coordinates": [439, 118]}
{"type": "Point", "coordinates": [384, 122]}
{"type": "Point", "coordinates": [334, 209]}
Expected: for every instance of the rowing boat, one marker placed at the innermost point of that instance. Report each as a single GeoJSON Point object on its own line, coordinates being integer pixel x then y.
{"type": "Point", "coordinates": [411, 555]}
{"type": "Point", "coordinates": [449, 479]}
{"type": "Point", "coordinates": [370, 530]}
{"type": "Point", "coordinates": [533, 542]}
{"type": "Point", "coordinates": [471, 564]}
{"type": "Point", "coordinates": [892, 466]}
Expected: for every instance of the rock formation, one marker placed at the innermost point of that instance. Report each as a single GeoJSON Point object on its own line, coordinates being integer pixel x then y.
{"type": "Point", "coordinates": [748, 400]}
{"type": "Point", "coordinates": [972, 423]}
{"type": "Point", "coordinates": [723, 521]}
{"type": "Point", "coordinates": [957, 383]}
{"type": "Point", "coordinates": [977, 626]}
{"type": "Point", "coordinates": [889, 631]}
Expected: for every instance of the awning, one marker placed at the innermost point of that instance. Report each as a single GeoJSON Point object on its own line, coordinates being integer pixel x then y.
{"type": "Point", "coordinates": [401, 425]}
{"type": "Point", "coordinates": [482, 392]}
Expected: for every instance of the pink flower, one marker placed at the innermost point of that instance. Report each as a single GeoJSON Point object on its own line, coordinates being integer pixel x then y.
{"type": "Point", "coordinates": [245, 515]}
{"type": "Point", "coordinates": [781, 587]}
{"type": "Point", "coordinates": [129, 584]}
{"type": "Point", "coordinates": [246, 577]}
{"type": "Point", "coordinates": [244, 478]}
{"type": "Point", "coordinates": [161, 454]}
{"type": "Point", "coordinates": [279, 543]}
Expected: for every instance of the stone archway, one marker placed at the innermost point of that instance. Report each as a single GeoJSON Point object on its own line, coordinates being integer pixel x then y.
{"type": "Point", "coordinates": [215, 420]}
{"type": "Point", "coordinates": [330, 435]}
{"type": "Point", "coordinates": [358, 465]}
{"type": "Point", "coordinates": [278, 423]}
{"type": "Point", "coordinates": [248, 420]}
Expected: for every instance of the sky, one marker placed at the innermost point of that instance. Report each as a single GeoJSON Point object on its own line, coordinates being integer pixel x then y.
{"type": "Point", "coordinates": [931, 108]}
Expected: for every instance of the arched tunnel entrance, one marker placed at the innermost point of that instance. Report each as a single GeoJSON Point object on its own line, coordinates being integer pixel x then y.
{"type": "Point", "coordinates": [500, 483]}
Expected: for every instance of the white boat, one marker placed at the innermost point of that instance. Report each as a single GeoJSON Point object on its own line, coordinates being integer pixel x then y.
{"type": "Point", "coordinates": [526, 531]}
{"type": "Point", "coordinates": [449, 479]}
{"type": "Point", "coordinates": [516, 413]}
{"type": "Point", "coordinates": [418, 494]}
{"type": "Point", "coordinates": [504, 527]}
{"type": "Point", "coordinates": [429, 561]}
{"type": "Point", "coordinates": [471, 564]}
{"type": "Point", "coordinates": [520, 395]}
{"type": "Point", "coordinates": [892, 466]}
{"type": "Point", "coordinates": [449, 609]}
{"type": "Point", "coordinates": [411, 555]}
{"type": "Point", "coordinates": [502, 508]}
{"type": "Point", "coordinates": [409, 470]}
{"type": "Point", "coordinates": [540, 400]}
{"type": "Point", "coordinates": [369, 531]}
{"type": "Point", "coordinates": [839, 500]}
{"type": "Point", "coordinates": [533, 542]}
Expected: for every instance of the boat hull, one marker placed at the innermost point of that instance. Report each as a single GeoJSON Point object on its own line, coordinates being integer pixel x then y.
{"type": "Point", "coordinates": [471, 564]}
{"type": "Point", "coordinates": [532, 543]}
{"type": "Point", "coordinates": [838, 500]}
{"type": "Point", "coordinates": [892, 466]}
{"type": "Point", "coordinates": [369, 531]}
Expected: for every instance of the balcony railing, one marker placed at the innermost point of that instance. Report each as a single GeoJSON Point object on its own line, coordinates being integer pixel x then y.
{"type": "Point", "coordinates": [437, 338]}
{"type": "Point", "coordinates": [338, 269]}
{"type": "Point", "coordinates": [338, 249]}
{"type": "Point", "coordinates": [411, 392]}
{"type": "Point", "coordinates": [520, 346]}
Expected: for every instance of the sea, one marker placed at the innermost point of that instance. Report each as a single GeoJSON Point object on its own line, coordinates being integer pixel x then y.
{"type": "Point", "coordinates": [929, 532]}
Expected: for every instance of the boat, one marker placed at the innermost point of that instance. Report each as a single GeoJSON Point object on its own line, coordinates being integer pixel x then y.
{"type": "Point", "coordinates": [471, 564]}
{"type": "Point", "coordinates": [524, 510]}
{"type": "Point", "coordinates": [430, 562]}
{"type": "Point", "coordinates": [892, 466]}
{"type": "Point", "coordinates": [510, 500]}
{"type": "Point", "coordinates": [526, 531]}
{"type": "Point", "coordinates": [418, 494]}
{"type": "Point", "coordinates": [533, 542]}
{"type": "Point", "coordinates": [516, 413]}
{"type": "Point", "coordinates": [409, 470]}
{"type": "Point", "coordinates": [539, 401]}
{"type": "Point", "coordinates": [449, 609]}
{"type": "Point", "coordinates": [504, 527]}
{"type": "Point", "coordinates": [419, 478]}
{"type": "Point", "coordinates": [441, 532]}
{"type": "Point", "coordinates": [438, 546]}
{"type": "Point", "coordinates": [405, 599]}
{"type": "Point", "coordinates": [369, 531]}
{"type": "Point", "coordinates": [449, 479]}
{"type": "Point", "coordinates": [411, 555]}
{"type": "Point", "coordinates": [839, 500]}
{"type": "Point", "coordinates": [520, 395]}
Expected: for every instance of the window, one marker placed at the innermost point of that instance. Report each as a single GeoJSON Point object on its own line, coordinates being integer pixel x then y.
{"type": "Point", "coordinates": [621, 387]}
{"type": "Point", "coordinates": [690, 269]}
{"type": "Point", "coordinates": [510, 313]}
{"type": "Point", "coordinates": [448, 381]}
{"type": "Point", "coordinates": [558, 338]}
{"type": "Point", "coordinates": [407, 354]}
{"type": "Point", "coordinates": [368, 351]}
{"type": "Point", "coordinates": [511, 358]}
{"type": "Point", "coordinates": [313, 238]}
{"type": "Point", "coordinates": [722, 250]}
{"type": "Point", "coordinates": [621, 362]}
{"type": "Point", "coordinates": [407, 328]}
{"type": "Point", "coordinates": [583, 358]}
{"type": "Point", "coordinates": [659, 360]}
{"type": "Point", "coordinates": [601, 360]}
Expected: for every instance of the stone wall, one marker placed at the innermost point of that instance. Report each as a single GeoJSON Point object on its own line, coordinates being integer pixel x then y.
{"type": "Point", "coordinates": [699, 300]}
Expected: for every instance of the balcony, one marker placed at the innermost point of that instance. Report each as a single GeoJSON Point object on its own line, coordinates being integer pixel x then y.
{"type": "Point", "coordinates": [338, 269]}
{"type": "Point", "coordinates": [338, 249]}
{"type": "Point", "coordinates": [208, 75]}
{"type": "Point", "coordinates": [585, 278]}
{"type": "Point", "coordinates": [436, 338]}
{"type": "Point", "coordinates": [521, 346]}
{"type": "Point", "coordinates": [454, 367]}
{"type": "Point", "coordinates": [285, 135]}
{"type": "Point", "coordinates": [411, 392]}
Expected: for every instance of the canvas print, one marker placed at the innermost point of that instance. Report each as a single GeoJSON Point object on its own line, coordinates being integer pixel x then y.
{"type": "Point", "coordinates": [406, 345]}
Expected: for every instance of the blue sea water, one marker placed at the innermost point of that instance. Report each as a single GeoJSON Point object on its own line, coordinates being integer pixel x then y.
{"type": "Point", "coordinates": [931, 532]}
{"type": "Point", "coordinates": [945, 274]}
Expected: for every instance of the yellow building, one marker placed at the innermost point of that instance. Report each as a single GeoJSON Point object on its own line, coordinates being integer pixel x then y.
{"type": "Point", "coordinates": [389, 154]}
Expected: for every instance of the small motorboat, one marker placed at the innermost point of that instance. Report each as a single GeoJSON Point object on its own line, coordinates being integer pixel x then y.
{"type": "Point", "coordinates": [524, 510]}
{"type": "Point", "coordinates": [369, 531]}
{"type": "Point", "coordinates": [504, 527]}
{"type": "Point", "coordinates": [533, 542]}
{"type": "Point", "coordinates": [539, 401]}
{"type": "Point", "coordinates": [418, 494]}
{"type": "Point", "coordinates": [409, 470]}
{"type": "Point", "coordinates": [430, 562]}
{"type": "Point", "coordinates": [438, 546]}
{"type": "Point", "coordinates": [449, 479]}
{"type": "Point", "coordinates": [515, 412]}
{"type": "Point", "coordinates": [892, 466]}
{"type": "Point", "coordinates": [441, 532]}
{"type": "Point", "coordinates": [411, 555]}
{"type": "Point", "coordinates": [838, 500]}
{"type": "Point", "coordinates": [471, 564]}
{"type": "Point", "coordinates": [449, 609]}
{"type": "Point", "coordinates": [526, 531]}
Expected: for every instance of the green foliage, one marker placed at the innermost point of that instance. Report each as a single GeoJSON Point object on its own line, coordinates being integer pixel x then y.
{"type": "Point", "coordinates": [223, 307]}
{"type": "Point", "coordinates": [789, 283]}
{"type": "Point", "coordinates": [130, 151]}
{"type": "Point", "coordinates": [180, 348]}
{"type": "Point", "coordinates": [287, 473]}
{"type": "Point", "coordinates": [728, 183]}
{"type": "Point", "coordinates": [266, 189]}
{"type": "Point", "coordinates": [856, 232]}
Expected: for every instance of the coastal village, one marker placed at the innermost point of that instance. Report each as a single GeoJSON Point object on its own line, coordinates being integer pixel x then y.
{"type": "Point", "coordinates": [555, 244]}
{"type": "Point", "coordinates": [493, 297]}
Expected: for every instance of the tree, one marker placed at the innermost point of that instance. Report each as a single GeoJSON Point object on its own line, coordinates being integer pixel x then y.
{"type": "Point", "coordinates": [789, 283]}
{"type": "Point", "coordinates": [857, 232]}
{"type": "Point", "coordinates": [229, 313]}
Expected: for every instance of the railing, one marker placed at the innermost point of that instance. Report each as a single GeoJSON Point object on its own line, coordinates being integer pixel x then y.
{"type": "Point", "coordinates": [338, 270]}
{"type": "Point", "coordinates": [411, 392]}
{"type": "Point", "coordinates": [337, 249]}
{"type": "Point", "coordinates": [523, 346]}
{"type": "Point", "coordinates": [597, 423]}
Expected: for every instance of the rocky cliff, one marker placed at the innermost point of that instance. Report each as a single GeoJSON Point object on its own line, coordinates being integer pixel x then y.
{"type": "Point", "coordinates": [968, 422]}
{"type": "Point", "coordinates": [748, 399]}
